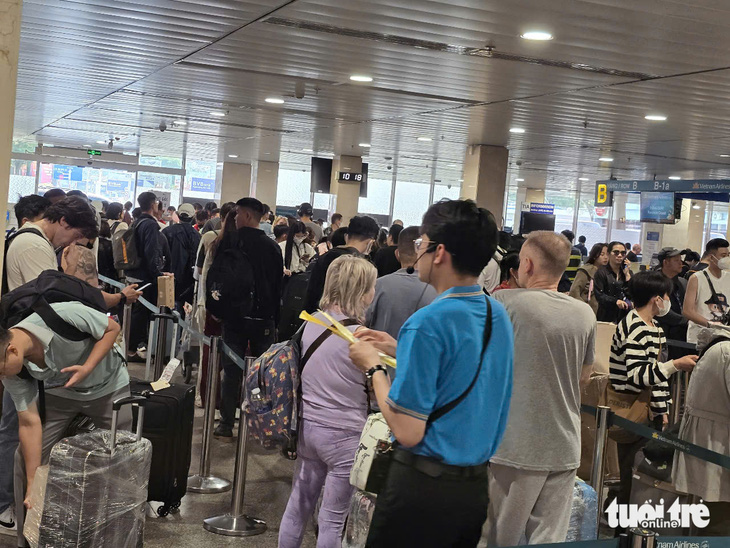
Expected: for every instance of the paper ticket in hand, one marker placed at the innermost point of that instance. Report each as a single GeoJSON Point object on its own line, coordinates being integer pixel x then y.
{"type": "Point", "coordinates": [341, 331]}
{"type": "Point", "coordinates": [164, 380]}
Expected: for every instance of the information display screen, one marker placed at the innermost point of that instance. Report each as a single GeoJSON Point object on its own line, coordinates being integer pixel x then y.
{"type": "Point", "coordinates": [657, 207]}
{"type": "Point", "coordinates": [348, 177]}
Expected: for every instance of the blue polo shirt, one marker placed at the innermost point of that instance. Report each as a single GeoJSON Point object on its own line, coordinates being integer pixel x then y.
{"type": "Point", "coordinates": [438, 353]}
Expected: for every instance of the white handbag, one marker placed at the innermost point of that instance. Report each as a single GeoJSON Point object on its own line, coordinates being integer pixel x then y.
{"type": "Point", "coordinates": [375, 430]}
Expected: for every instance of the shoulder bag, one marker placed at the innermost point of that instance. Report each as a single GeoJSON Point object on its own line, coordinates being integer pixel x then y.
{"type": "Point", "coordinates": [375, 452]}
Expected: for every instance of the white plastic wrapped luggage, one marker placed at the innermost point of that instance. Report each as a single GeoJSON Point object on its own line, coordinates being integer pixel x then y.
{"type": "Point", "coordinates": [583, 513]}
{"type": "Point", "coordinates": [97, 489]}
{"type": "Point", "coordinates": [362, 507]}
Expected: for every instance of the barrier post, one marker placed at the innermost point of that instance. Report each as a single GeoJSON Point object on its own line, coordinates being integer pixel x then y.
{"type": "Point", "coordinates": [161, 343]}
{"type": "Point", "coordinates": [599, 453]}
{"type": "Point", "coordinates": [679, 388]}
{"type": "Point", "coordinates": [642, 538]}
{"type": "Point", "coordinates": [235, 523]}
{"type": "Point", "coordinates": [127, 323]}
{"type": "Point", "coordinates": [203, 482]}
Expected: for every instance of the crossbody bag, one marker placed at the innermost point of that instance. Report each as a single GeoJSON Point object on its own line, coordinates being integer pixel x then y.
{"type": "Point", "coordinates": [375, 452]}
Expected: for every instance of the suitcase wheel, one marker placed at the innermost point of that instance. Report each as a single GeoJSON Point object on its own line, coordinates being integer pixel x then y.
{"type": "Point", "coordinates": [175, 508]}
{"type": "Point", "coordinates": [187, 371]}
{"type": "Point", "coordinates": [163, 510]}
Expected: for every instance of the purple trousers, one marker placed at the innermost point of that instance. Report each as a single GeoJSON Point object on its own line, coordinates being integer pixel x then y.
{"type": "Point", "coordinates": [325, 457]}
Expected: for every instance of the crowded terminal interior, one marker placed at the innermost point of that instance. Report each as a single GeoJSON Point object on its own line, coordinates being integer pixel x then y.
{"type": "Point", "coordinates": [337, 273]}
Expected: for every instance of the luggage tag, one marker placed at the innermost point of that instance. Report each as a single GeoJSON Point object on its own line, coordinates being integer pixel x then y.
{"type": "Point", "coordinates": [164, 380]}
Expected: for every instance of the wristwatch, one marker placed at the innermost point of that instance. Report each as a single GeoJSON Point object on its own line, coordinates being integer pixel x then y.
{"type": "Point", "coordinates": [122, 299]}
{"type": "Point", "coordinates": [370, 372]}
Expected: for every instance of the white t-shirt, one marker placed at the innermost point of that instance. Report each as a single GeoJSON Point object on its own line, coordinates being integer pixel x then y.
{"type": "Point", "coordinates": [704, 306]}
{"type": "Point", "coordinates": [297, 251]}
{"type": "Point", "coordinates": [28, 256]}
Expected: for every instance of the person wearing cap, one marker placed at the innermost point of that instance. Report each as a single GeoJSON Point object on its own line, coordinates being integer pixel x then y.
{"type": "Point", "coordinates": [183, 240]}
{"type": "Point", "coordinates": [674, 324]}
{"type": "Point", "coordinates": [305, 215]}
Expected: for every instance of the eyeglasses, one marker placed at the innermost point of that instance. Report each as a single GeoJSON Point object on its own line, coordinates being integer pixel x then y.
{"type": "Point", "coordinates": [418, 242]}
{"type": "Point", "coordinates": [618, 253]}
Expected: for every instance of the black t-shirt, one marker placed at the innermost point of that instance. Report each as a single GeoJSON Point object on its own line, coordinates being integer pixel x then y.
{"type": "Point", "coordinates": [319, 273]}
{"type": "Point", "coordinates": [386, 261]}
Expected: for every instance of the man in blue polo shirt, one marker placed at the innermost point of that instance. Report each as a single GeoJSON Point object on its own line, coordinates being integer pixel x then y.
{"type": "Point", "coordinates": [436, 493]}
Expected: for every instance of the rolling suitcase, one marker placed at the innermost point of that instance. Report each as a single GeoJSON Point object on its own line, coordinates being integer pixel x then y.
{"type": "Point", "coordinates": [292, 304]}
{"type": "Point", "coordinates": [169, 426]}
{"type": "Point", "coordinates": [97, 488]}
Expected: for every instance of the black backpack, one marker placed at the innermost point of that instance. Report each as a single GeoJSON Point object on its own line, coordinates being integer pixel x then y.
{"type": "Point", "coordinates": [9, 240]}
{"type": "Point", "coordinates": [230, 284]}
{"type": "Point", "coordinates": [184, 241]}
{"type": "Point", "coordinates": [37, 296]}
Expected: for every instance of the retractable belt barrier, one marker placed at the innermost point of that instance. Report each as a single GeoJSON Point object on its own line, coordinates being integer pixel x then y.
{"type": "Point", "coordinates": [681, 344]}
{"type": "Point", "coordinates": [644, 431]}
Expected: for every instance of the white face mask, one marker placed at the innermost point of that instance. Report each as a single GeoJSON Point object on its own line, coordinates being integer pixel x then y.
{"type": "Point", "coordinates": [724, 263]}
{"type": "Point", "coordinates": [298, 240]}
{"type": "Point", "coordinates": [664, 307]}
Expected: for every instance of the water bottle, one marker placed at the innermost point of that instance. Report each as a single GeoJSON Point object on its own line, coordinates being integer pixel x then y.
{"type": "Point", "coordinates": [256, 397]}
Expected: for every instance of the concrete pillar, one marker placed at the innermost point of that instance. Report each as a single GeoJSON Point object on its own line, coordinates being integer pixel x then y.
{"type": "Point", "coordinates": [264, 181]}
{"type": "Point", "coordinates": [485, 178]}
{"type": "Point", "coordinates": [236, 182]}
{"type": "Point", "coordinates": [10, 12]}
{"type": "Point", "coordinates": [347, 194]}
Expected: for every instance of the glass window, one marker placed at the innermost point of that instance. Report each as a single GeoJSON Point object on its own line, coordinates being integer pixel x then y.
{"type": "Point", "coordinates": [112, 185]}
{"type": "Point", "coordinates": [377, 201]}
{"type": "Point", "coordinates": [411, 202]}
{"type": "Point", "coordinates": [450, 192]}
{"type": "Point", "coordinates": [164, 185]}
{"type": "Point", "coordinates": [161, 161]}
{"type": "Point", "coordinates": [564, 202]}
{"type": "Point", "coordinates": [718, 224]}
{"type": "Point", "coordinates": [510, 204]}
{"type": "Point", "coordinates": [201, 180]}
{"type": "Point", "coordinates": [22, 179]}
{"type": "Point", "coordinates": [293, 187]}
{"type": "Point", "coordinates": [626, 227]}
{"type": "Point", "coordinates": [592, 221]}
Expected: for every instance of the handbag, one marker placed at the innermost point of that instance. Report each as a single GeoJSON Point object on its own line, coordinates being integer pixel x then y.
{"type": "Point", "coordinates": [630, 406]}
{"type": "Point", "coordinates": [374, 455]}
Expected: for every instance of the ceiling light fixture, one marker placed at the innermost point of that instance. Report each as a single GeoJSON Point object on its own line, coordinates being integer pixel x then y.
{"type": "Point", "coordinates": [675, 178]}
{"type": "Point", "coordinates": [516, 130]}
{"type": "Point", "coordinates": [217, 113]}
{"type": "Point", "coordinates": [233, 155]}
{"type": "Point", "coordinates": [180, 123]}
{"type": "Point", "coordinates": [425, 139]}
{"type": "Point", "coordinates": [520, 180]}
{"type": "Point", "coordinates": [539, 35]}
{"type": "Point", "coordinates": [605, 159]}
{"type": "Point", "coordinates": [655, 117]}
{"type": "Point", "coordinates": [101, 142]}
{"type": "Point", "coordinates": [48, 145]}
{"type": "Point", "coordinates": [360, 78]}
{"type": "Point", "coordinates": [129, 153]}
{"type": "Point", "coordinates": [583, 179]}
{"type": "Point", "coordinates": [86, 146]}
{"type": "Point", "coordinates": [307, 150]}
{"type": "Point", "coordinates": [274, 100]}
{"type": "Point", "coordinates": [724, 155]}
{"type": "Point", "coordinates": [696, 206]}
{"type": "Point", "coordinates": [364, 145]}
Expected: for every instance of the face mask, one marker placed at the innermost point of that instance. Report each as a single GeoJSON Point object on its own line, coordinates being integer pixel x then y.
{"type": "Point", "coordinates": [724, 263]}
{"type": "Point", "coordinates": [298, 240]}
{"type": "Point", "coordinates": [664, 308]}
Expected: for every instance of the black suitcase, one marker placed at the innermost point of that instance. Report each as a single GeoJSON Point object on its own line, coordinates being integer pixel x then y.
{"type": "Point", "coordinates": [169, 426]}
{"type": "Point", "coordinates": [292, 304]}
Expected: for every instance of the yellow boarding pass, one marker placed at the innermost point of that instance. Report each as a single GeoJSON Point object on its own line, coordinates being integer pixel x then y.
{"type": "Point", "coordinates": [341, 331]}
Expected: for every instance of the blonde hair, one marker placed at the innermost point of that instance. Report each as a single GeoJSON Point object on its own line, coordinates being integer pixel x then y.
{"type": "Point", "coordinates": [554, 250]}
{"type": "Point", "coordinates": [348, 280]}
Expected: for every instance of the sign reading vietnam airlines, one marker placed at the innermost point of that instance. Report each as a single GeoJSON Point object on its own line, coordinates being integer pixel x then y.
{"type": "Point", "coordinates": [605, 189]}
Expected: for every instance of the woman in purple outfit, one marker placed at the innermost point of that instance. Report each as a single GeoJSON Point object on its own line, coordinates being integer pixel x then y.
{"type": "Point", "coordinates": [334, 410]}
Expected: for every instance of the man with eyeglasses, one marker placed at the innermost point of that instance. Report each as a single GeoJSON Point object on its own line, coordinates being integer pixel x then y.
{"type": "Point", "coordinates": [448, 404]}
{"type": "Point", "coordinates": [610, 284]}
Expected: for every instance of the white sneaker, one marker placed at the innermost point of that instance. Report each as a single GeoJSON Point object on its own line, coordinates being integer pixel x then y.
{"type": "Point", "coordinates": [7, 521]}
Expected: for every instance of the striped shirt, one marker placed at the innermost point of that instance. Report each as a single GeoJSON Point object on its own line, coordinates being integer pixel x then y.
{"type": "Point", "coordinates": [634, 361]}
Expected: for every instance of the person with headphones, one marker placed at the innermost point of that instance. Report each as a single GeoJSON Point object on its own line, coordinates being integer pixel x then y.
{"type": "Point", "coordinates": [305, 215]}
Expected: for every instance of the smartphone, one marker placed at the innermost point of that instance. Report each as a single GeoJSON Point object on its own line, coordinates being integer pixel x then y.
{"type": "Point", "coordinates": [145, 286]}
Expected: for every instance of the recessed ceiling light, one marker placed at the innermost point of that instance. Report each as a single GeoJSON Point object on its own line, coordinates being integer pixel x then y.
{"type": "Point", "coordinates": [425, 139]}
{"type": "Point", "coordinates": [129, 153]}
{"type": "Point", "coordinates": [520, 180]}
{"type": "Point", "coordinates": [605, 159]}
{"type": "Point", "coordinates": [656, 117]}
{"type": "Point", "coordinates": [583, 179]}
{"type": "Point", "coordinates": [696, 206]}
{"type": "Point", "coordinates": [217, 113]}
{"type": "Point", "coordinates": [101, 142]}
{"type": "Point", "coordinates": [360, 78]}
{"type": "Point", "coordinates": [180, 123]}
{"type": "Point", "coordinates": [724, 155]}
{"type": "Point", "coordinates": [516, 130]}
{"type": "Point", "coordinates": [267, 152]}
{"type": "Point", "coordinates": [233, 155]}
{"type": "Point", "coordinates": [675, 178]}
{"type": "Point", "coordinates": [48, 145]}
{"type": "Point", "coordinates": [307, 150]}
{"type": "Point", "coordinates": [86, 146]}
{"type": "Point", "coordinates": [364, 145]}
{"type": "Point", "coordinates": [539, 35]}
{"type": "Point", "coordinates": [274, 100]}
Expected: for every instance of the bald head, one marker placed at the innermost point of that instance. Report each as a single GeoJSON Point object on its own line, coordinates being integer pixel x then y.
{"type": "Point", "coordinates": [549, 252]}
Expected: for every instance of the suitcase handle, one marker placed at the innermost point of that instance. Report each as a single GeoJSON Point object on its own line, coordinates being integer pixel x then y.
{"type": "Point", "coordinates": [140, 402]}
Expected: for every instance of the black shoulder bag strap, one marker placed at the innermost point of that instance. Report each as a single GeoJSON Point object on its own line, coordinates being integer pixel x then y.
{"type": "Point", "coordinates": [715, 299]}
{"type": "Point", "coordinates": [319, 340]}
{"type": "Point", "coordinates": [441, 411]}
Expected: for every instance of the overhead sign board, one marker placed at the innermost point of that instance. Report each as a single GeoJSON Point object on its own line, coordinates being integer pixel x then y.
{"type": "Point", "coordinates": [605, 189]}
{"type": "Point", "coordinates": [546, 209]}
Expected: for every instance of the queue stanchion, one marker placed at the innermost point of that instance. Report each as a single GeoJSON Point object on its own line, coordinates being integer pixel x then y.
{"type": "Point", "coordinates": [162, 318]}
{"type": "Point", "coordinates": [204, 482]}
{"type": "Point", "coordinates": [148, 357]}
{"type": "Point", "coordinates": [599, 454]}
{"type": "Point", "coordinates": [642, 538]}
{"type": "Point", "coordinates": [235, 523]}
{"type": "Point", "coordinates": [677, 387]}
{"type": "Point", "coordinates": [127, 323]}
